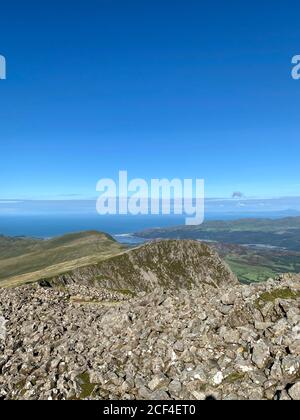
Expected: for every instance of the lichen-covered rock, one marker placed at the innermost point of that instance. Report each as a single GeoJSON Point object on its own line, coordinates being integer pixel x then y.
{"type": "Point", "coordinates": [3, 323]}
{"type": "Point", "coordinates": [261, 354]}
{"type": "Point", "coordinates": [294, 391]}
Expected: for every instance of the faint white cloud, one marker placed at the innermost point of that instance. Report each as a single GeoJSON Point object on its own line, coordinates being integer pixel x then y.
{"type": "Point", "coordinates": [10, 202]}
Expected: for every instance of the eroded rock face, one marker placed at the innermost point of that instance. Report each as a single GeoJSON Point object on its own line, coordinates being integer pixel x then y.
{"type": "Point", "coordinates": [226, 342]}
{"type": "Point", "coordinates": [167, 264]}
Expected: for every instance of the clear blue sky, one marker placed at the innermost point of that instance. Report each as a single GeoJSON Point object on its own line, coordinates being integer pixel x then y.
{"type": "Point", "coordinates": [160, 88]}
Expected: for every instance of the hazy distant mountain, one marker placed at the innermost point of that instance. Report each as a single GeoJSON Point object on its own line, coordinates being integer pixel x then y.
{"type": "Point", "coordinates": [282, 233]}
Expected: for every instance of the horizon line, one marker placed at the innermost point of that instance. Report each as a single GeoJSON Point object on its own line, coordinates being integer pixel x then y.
{"type": "Point", "coordinates": [57, 199]}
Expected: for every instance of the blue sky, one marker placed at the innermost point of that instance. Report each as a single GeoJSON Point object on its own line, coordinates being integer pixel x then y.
{"type": "Point", "coordinates": [159, 88]}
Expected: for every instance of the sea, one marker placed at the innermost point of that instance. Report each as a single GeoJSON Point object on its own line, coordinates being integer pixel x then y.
{"type": "Point", "coordinates": [123, 228]}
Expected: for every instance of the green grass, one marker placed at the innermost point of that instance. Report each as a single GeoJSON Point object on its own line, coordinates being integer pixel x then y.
{"type": "Point", "coordinates": [20, 386]}
{"type": "Point", "coordinates": [284, 294]}
{"type": "Point", "coordinates": [125, 292]}
{"type": "Point", "coordinates": [249, 273]}
{"type": "Point", "coordinates": [87, 388]}
{"type": "Point", "coordinates": [234, 377]}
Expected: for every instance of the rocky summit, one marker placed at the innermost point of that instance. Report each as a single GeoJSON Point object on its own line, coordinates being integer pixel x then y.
{"type": "Point", "coordinates": [208, 339]}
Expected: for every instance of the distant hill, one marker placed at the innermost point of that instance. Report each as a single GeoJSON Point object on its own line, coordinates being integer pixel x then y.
{"type": "Point", "coordinates": [282, 233]}
{"type": "Point", "coordinates": [27, 259]}
{"type": "Point", "coordinates": [255, 249]}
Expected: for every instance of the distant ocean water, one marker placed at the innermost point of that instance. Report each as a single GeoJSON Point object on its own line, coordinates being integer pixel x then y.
{"type": "Point", "coordinates": [47, 226]}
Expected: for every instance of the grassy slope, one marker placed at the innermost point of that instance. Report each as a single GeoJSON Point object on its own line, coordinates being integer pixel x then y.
{"type": "Point", "coordinates": [26, 260]}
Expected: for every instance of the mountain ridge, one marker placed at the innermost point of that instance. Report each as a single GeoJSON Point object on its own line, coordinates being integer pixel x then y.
{"type": "Point", "coordinates": [22, 256]}
{"type": "Point", "coordinates": [170, 264]}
